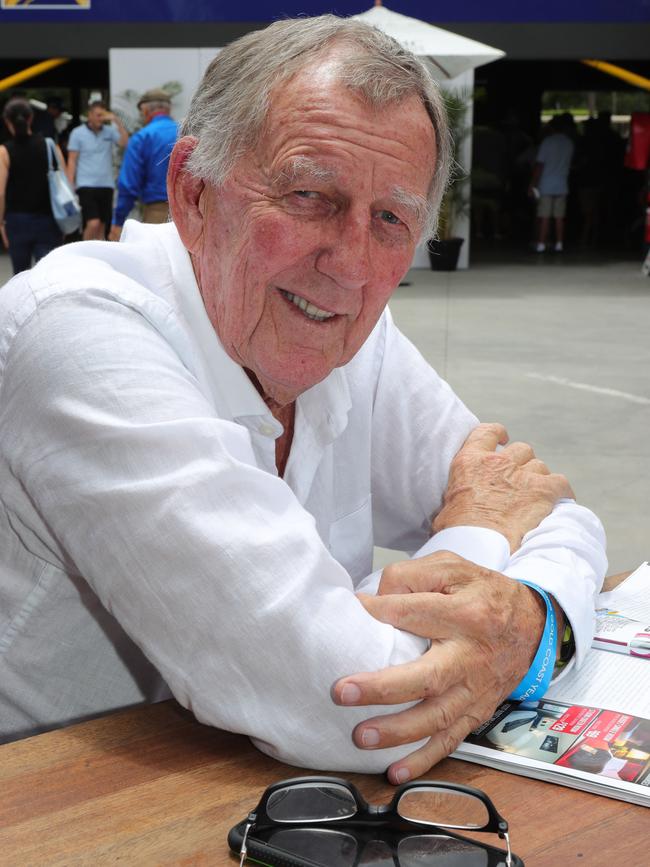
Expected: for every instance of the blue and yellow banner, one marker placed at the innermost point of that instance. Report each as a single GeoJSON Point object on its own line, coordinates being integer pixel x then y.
{"type": "Point", "coordinates": [44, 4]}
{"type": "Point", "coordinates": [187, 11]}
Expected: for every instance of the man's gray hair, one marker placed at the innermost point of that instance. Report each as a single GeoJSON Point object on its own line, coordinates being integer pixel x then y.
{"type": "Point", "coordinates": [229, 108]}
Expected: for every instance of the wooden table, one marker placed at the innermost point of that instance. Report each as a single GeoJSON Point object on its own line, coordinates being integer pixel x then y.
{"type": "Point", "coordinates": [152, 786]}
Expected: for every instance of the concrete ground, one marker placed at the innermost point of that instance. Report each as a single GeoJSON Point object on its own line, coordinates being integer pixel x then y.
{"type": "Point", "coordinates": [558, 349]}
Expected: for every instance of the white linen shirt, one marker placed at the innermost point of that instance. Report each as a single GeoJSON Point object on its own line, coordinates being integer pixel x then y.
{"type": "Point", "coordinates": [146, 539]}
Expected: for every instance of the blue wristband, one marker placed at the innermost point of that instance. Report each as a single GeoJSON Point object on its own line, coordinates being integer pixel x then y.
{"type": "Point", "coordinates": [539, 675]}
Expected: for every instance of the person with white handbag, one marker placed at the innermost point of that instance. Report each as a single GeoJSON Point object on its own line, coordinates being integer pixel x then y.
{"type": "Point", "coordinates": [27, 227]}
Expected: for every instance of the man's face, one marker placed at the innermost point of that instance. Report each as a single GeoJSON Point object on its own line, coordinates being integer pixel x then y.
{"type": "Point", "coordinates": [310, 234]}
{"type": "Point", "coordinates": [96, 118]}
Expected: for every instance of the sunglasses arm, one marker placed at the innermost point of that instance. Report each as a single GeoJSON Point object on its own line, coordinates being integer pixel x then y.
{"type": "Point", "coordinates": [243, 852]}
{"type": "Point", "coordinates": [503, 833]}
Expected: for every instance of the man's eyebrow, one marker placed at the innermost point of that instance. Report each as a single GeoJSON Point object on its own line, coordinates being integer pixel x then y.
{"type": "Point", "coordinates": [416, 204]}
{"type": "Point", "coordinates": [304, 169]}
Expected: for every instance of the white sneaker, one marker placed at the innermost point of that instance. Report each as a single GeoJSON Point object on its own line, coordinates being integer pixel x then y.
{"type": "Point", "coordinates": [559, 248]}
{"type": "Point", "coordinates": [539, 247]}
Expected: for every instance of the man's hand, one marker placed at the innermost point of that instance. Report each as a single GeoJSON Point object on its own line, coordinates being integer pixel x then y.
{"type": "Point", "coordinates": [510, 491]}
{"type": "Point", "coordinates": [115, 233]}
{"type": "Point", "coordinates": [485, 629]}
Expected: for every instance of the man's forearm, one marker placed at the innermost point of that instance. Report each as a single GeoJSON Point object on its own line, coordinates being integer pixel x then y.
{"type": "Point", "coordinates": [71, 167]}
{"type": "Point", "coordinates": [124, 134]}
{"type": "Point", "coordinates": [123, 207]}
{"type": "Point", "coordinates": [536, 174]}
{"type": "Point", "coordinates": [565, 556]}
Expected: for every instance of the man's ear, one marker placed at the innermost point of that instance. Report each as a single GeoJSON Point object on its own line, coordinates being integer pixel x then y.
{"type": "Point", "coordinates": [184, 192]}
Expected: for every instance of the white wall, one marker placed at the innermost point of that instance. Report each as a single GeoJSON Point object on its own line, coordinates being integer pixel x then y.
{"type": "Point", "coordinates": [134, 70]}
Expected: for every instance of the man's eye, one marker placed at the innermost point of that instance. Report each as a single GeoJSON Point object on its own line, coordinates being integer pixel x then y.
{"type": "Point", "coordinates": [306, 194]}
{"type": "Point", "coordinates": [389, 217]}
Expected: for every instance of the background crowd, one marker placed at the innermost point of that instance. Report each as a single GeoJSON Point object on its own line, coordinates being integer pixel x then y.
{"type": "Point", "coordinates": [568, 180]}
{"type": "Point", "coordinates": [91, 153]}
{"type": "Point", "coordinates": [534, 191]}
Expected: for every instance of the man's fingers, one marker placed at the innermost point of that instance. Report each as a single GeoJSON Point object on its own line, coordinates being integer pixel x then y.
{"type": "Point", "coordinates": [453, 599]}
{"type": "Point", "coordinates": [550, 486]}
{"type": "Point", "coordinates": [431, 675]}
{"type": "Point", "coordinates": [486, 437]}
{"type": "Point", "coordinates": [432, 573]}
{"type": "Point", "coordinates": [417, 722]}
{"type": "Point", "coordinates": [519, 453]}
{"type": "Point", "coordinates": [431, 615]}
{"type": "Point", "coordinates": [536, 466]}
{"type": "Point", "coordinates": [561, 486]}
{"type": "Point", "coordinates": [437, 748]}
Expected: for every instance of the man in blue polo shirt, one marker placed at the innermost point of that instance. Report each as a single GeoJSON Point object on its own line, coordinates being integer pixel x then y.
{"type": "Point", "coordinates": [143, 174]}
{"type": "Point", "coordinates": [90, 167]}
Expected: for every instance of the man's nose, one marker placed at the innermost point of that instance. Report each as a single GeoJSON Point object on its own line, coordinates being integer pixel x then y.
{"type": "Point", "coordinates": [345, 256]}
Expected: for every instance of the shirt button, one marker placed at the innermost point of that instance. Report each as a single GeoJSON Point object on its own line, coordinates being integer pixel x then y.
{"type": "Point", "coordinates": [267, 430]}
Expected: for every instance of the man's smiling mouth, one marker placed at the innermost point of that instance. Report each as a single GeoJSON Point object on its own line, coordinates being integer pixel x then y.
{"type": "Point", "coordinates": [310, 310]}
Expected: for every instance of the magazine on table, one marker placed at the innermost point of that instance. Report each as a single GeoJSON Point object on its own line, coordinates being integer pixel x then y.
{"type": "Point", "coordinates": [591, 730]}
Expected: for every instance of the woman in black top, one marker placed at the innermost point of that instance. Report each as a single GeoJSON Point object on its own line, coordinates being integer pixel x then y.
{"type": "Point", "coordinates": [27, 226]}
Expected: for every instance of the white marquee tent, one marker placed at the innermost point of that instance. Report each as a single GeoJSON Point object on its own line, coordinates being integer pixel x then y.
{"type": "Point", "coordinates": [450, 54]}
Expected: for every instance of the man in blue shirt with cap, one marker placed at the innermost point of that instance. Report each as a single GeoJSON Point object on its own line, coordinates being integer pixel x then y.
{"type": "Point", "coordinates": [143, 174]}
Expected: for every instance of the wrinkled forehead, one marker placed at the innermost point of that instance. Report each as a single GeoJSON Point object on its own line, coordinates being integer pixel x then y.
{"type": "Point", "coordinates": [335, 71]}
{"type": "Point", "coordinates": [315, 118]}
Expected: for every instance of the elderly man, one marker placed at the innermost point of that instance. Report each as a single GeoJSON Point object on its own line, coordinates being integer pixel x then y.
{"type": "Point", "coordinates": [205, 428]}
{"type": "Point", "coordinates": [144, 167]}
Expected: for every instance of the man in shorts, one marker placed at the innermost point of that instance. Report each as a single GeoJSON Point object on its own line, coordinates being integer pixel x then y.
{"type": "Point", "coordinates": [551, 180]}
{"type": "Point", "coordinates": [90, 168]}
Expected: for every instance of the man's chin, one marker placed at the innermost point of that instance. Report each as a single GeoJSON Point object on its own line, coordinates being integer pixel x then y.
{"type": "Point", "coordinates": [283, 388]}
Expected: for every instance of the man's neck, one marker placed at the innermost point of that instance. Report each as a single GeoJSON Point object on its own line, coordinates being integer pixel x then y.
{"type": "Point", "coordinates": [284, 413]}
{"type": "Point", "coordinates": [286, 416]}
{"type": "Point", "coordinates": [155, 115]}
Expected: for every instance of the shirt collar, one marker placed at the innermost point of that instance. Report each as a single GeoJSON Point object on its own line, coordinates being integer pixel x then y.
{"type": "Point", "coordinates": [159, 116]}
{"type": "Point", "coordinates": [228, 381]}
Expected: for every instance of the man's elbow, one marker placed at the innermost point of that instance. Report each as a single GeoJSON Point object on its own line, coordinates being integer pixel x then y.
{"type": "Point", "coordinates": [331, 751]}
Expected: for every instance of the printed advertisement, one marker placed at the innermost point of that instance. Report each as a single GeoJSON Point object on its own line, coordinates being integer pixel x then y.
{"type": "Point", "coordinates": [601, 742]}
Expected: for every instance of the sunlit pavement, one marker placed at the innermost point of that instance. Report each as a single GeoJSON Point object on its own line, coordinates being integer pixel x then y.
{"type": "Point", "coordinates": [558, 349]}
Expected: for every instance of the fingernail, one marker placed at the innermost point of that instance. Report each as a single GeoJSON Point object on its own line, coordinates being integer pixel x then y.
{"type": "Point", "coordinates": [402, 775]}
{"type": "Point", "coordinates": [350, 694]}
{"type": "Point", "coordinates": [370, 737]}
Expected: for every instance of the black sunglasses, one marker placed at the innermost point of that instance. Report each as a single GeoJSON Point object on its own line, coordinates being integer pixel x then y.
{"type": "Point", "coordinates": [326, 820]}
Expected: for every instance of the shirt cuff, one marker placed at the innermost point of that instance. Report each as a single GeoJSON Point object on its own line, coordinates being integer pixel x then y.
{"type": "Point", "coordinates": [557, 580]}
{"type": "Point", "coordinates": [487, 548]}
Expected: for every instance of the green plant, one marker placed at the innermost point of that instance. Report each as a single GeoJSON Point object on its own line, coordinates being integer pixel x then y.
{"type": "Point", "coordinates": [455, 202]}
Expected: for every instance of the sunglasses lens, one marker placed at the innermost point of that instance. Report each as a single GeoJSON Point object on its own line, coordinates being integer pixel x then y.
{"type": "Point", "coordinates": [446, 808]}
{"type": "Point", "coordinates": [320, 845]}
{"type": "Point", "coordinates": [311, 802]}
{"type": "Point", "coordinates": [440, 852]}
